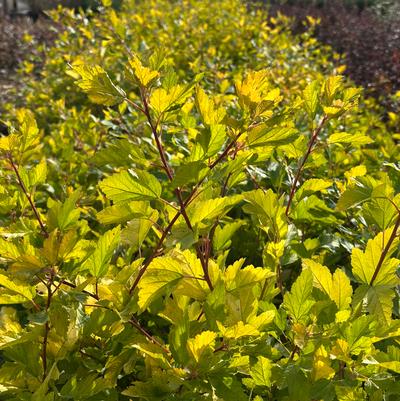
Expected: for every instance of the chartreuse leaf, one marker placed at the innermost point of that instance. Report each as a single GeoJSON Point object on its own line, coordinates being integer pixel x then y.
{"type": "Point", "coordinates": [350, 394]}
{"type": "Point", "coordinates": [192, 284]}
{"type": "Point", "coordinates": [28, 131]}
{"type": "Point", "coordinates": [321, 365]}
{"type": "Point", "coordinates": [264, 135]}
{"type": "Point", "coordinates": [256, 95]}
{"type": "Point", "coordinates": [311, 186]}
{"type": "Point", "coordinates": [331, 87]}
{"type": "Point", "coordinates": [23, 137]}
{"type": "Point", "coordinates": [337, 286]}
{"type": "Point", "coordinates": [162, 275]}
{"type": "Point", "coordinates": [268, 210]}
{"type": "Point", "coordinates": [238, 330]}
{"type": "Point", "coordinates": [210, 113]}
{"type": "Point", "coordinates": [377, 300]}
{"type": "Point", "coordinates": [201, 345]}
{"type": "Point", "coordinates": [162, 100]}
{"type": "Point", "coordinates": [298, 302]}
{"type": "Point", "coordinates": [16, 292]}
{"type": "Point", "coordinates": [137, 229]}
{"type": "Point", "coordinates": [380, 212]}
{"type": "Point", "coordinates": [64, 215]}
{"type": "Point", "coordinates": [237, 278]}
{"type": "Point", "coordinates": [137, 72]}
{"type": "Point", "coordinates": [205, 211]}
{"type": "Point", "coordinates": [39, 173]}
{"type": "Point", "coordinates": [98, 262]}
{"type": "Point", "coordinates": [360, 333]}
{"type": "Point", "coordinates": [365, 263]}
{"type": "Point", "coordinates": [97, 84]}
{"type": "Point", "coordinates": [361, 190]}
{"type": "Point", "coordinates": [311, 98]}
{"type": "Point", "coordinates": [124, 186]}
{"type": "Point", "coordinates": [261, 372]}
{"type": "Point", "coordinates": [122, 212]}
{"type": "Point", "coordinates": [357, 139]}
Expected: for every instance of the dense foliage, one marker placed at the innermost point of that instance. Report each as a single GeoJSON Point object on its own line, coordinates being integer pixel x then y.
{"type": "Point", "coordinates": [369, 40]}
{"type": "Point", "coordinates": [195, 205]}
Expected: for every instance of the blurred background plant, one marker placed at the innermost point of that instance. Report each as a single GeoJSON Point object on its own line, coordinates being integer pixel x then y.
{"type": "Point", "coordinates": [365, 32]}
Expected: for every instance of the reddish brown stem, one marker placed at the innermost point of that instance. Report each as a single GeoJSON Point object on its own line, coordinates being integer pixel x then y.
{"type": "Point", "coordinates": [28, 196]}
{"type": "Point", "coordinates": [310, 147]}
{"type": "Point", "coordinates": [137, 325]}
{"type": "Point", "coordinates": [47, 324]}
{"type": "Point", "coordinates": [385, 251]}
{"type": "Point", "coordinates": [183, 204]}
{"type": "Point", "coordinates": [71, 285]}
{"type": "Point", "coordinates": [203, 252]}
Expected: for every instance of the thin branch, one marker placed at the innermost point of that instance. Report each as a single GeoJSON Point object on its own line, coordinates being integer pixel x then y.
{"type": "Point", "coordinates": [134, 105]}
{"type": "Point", "coordinates": [47, 324]}
{"type": "Point", "coordinates": [152, 339]}
{"type": "Point", "coordinates": [28, 196]}
{"type": "Point", "coordinates": [310, 147]}
{"type": "Point", "coordinates": [203, 253]}
{"type": "Point", "coordinates": [183, 204]}
{"type": "Point", "coordinates": [156, 251]}
{"type": "Point", "coordinates": [385, 251]}
{"type": "Point", "coordinates": [71, 285]}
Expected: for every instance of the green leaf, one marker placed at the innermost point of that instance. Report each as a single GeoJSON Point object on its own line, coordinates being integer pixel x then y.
{"type": "Point", "coordinates": [222, 236]}
{"type": "Point", "coordinates": [299, 301]}
{"type": "Point", "coordinates": [380, 212]}
{"type": "Point", "coordinates": [98, 262]}
{"type": "Point", "coordinates": [189, 172]}
{"type": "Point", "coordinates": [261, 372]}
{"type": "Point", "coordinates": [359, 334]}
{"type": "Point", "coordinates": [123, 186]}
{"type": "Point", "coordinates": [361, 190]}
{"type": "Point", "coordinates": [98, 85]}
{"type": "Point", "coordinates": [228, 388]}
{"type": "Point", "coordinates": [215, 139]}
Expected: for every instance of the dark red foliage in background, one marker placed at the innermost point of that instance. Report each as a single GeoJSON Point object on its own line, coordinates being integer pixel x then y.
{"type": "Point", "coordinates": [369, 43]}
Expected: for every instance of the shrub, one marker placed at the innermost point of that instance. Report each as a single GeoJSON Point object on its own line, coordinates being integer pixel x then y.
{"type": "Point", "coordinates": [196, 209]}
{"type": "Point", "coordinates": [369, 43]}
